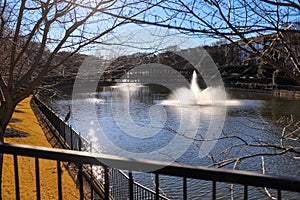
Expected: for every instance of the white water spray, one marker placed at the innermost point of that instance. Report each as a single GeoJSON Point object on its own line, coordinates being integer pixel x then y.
{"type": "Point", "coordinates": [210, 96]}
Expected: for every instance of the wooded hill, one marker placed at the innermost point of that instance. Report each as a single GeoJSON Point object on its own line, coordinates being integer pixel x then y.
{"type": "Point", "coordinates": [236, 68]}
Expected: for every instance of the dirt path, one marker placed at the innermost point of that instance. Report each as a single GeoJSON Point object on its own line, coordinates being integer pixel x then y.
{"type": "Point", "coordinates": [29, 132]}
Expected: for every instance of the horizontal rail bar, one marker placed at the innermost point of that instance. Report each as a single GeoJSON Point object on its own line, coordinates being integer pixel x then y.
{"type": "Point", "coordinates": [179, 170]}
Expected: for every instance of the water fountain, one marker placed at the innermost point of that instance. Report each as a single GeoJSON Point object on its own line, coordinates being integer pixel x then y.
{"type": "Point", "coordinates": [210, 96]}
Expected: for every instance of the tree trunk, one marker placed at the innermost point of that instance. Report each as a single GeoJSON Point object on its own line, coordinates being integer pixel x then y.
{"type": "Point", "coordinates": [5, 116]}
{"type": "Point", "coordinates": [1, 159]}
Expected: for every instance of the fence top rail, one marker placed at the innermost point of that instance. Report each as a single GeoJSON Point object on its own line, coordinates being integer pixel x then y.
{"type": "Point", "coordinates": [175, 169]}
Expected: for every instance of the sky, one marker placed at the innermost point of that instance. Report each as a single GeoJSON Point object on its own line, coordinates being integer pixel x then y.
{"type": "Point", "coordinates": [135, 38]}
{"type": "Point", "coordinates": [131, 37]}
{"type": "Point", "coordinates": [146, 39]}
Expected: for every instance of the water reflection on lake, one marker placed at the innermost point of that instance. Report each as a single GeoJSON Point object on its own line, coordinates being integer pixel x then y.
{"type": "Point", "coordinates": [135, 123]}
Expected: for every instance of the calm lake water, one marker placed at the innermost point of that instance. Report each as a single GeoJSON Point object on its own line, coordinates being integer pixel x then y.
{"type": "Point", "coordinates": [136, 124]}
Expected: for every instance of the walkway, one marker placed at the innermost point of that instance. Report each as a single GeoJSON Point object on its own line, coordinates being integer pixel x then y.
{"type": "Point", "coordinates": [31, 133]}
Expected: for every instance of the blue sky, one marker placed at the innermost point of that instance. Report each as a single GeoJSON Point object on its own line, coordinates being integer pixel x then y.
{"type": "Point", "coordinates": [133, 39]}
{"type": "Point", "coordinates": [151, 38]}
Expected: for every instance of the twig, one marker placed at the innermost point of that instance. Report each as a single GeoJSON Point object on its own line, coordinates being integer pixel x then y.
{"type": "Point", "coordinates": [264, 171]}
{"type": "Point", "coordinates": [231, 186]}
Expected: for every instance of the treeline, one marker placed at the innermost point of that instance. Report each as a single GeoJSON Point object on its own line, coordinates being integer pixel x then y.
{"type": "Point", "coordinates": [237, 67]}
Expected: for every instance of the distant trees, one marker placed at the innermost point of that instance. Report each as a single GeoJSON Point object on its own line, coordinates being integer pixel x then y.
{"type": "Point", "coordinates": [257, 27]}
{"type": "Point", "coordinates": [167, 58]}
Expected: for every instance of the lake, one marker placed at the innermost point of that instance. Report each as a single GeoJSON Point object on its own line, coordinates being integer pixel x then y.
{"type": "Point", "coordinates": [135, 122]}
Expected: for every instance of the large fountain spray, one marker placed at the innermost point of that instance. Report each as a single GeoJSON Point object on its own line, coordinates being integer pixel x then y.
{"type": "Point", "coordinates": [210, 96]}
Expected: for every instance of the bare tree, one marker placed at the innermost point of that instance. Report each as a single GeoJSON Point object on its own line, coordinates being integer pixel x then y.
{"type": "Point", "coordinates": [34, 32]}
{"type": "Point", "coordinates": [267, 29]}
{"type": "Point", "coordinates": [285, 145]}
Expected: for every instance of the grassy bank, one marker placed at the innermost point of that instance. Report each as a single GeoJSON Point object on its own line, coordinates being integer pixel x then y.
{"type": "Point", "coordinates": [25, 129]}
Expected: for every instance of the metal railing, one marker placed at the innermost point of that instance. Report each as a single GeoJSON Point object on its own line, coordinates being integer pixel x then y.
{"type": "Point", "coordinates": [183, 172]}
{"type": "Point", "coordinates": [71, 140]}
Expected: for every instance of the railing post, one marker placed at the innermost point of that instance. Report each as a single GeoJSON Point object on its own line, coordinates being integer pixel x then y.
{"type": "Point", "coordinates": [91, 185]}
{"type": "Point", "coordinates": [61, 127]}
{"type": "Point", "coordinates": [130, 185]}
{"type": "Point", "coordinates": [79, 142]}
{"type": "Point", "coordinates": [214, 187]}
{"type": "Point", "coordinates": [80, 182]}
{"type": "Point", "coordinates": [278, 194]}
{"type": "Point", "coordinates": [106, 183]}
{"type": "Point", "coordinates": [245, 192]}
{"type": "Point", "coordinates": [17, 185]}
{"type": "Point", "coordinates": [37, 179]}
{"type": "Point", "coordinates": [71, 137]}
{"type": "Point", "coordinates": [64, 134]}
{"type": "Point", "coordinates": [59, 183]}
{"type": "Point", "coordinates": [184, 188]}
{"type": "Point", "coordinates": [156, 186]}
{"type": "Point", "coordinates": [92, 175]}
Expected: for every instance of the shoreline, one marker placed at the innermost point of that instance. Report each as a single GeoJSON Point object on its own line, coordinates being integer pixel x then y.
{"type": "Point", "coordinates": [25, 121]}
{"type": "Point", "coordinates": [273, 92]}
{"type": "Point", "coordinates": [279, 91]}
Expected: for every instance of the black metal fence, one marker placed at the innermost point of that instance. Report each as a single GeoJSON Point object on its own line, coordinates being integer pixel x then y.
{"type": "Point", "coordinates": [71, 140]}
{"type": "Point", "coordinates": [66, 135]}
{"type": "Point", "coordinates": [183, 172]}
